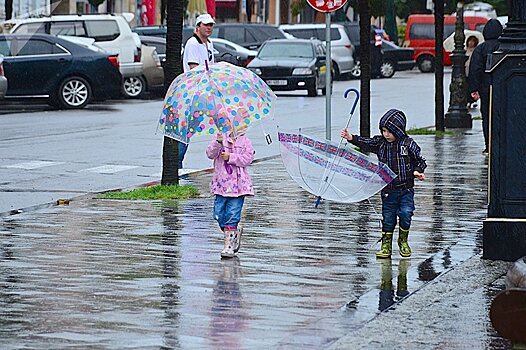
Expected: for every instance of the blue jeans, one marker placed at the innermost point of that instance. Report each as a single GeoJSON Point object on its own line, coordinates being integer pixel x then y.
{"type": "Point", "coordinates": [397, 203]}
{"type": "Point", "coordinates": [182, 151]}
{"type": "Point", "coordinates": [227, 211]}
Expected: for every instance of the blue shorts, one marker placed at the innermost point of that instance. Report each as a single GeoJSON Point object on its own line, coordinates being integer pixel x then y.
{"type": "Point", "coordinates": [227, 211]}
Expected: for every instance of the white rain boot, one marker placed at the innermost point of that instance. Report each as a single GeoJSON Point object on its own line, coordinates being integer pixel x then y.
{"type": "Point", "coordinates": [230, 241]}
{"type": "Point", "coordinates": [237, 245]}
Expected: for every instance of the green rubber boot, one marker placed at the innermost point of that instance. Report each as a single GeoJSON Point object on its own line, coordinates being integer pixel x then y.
{"type": "Point", "coordinates": [387, 246]}
{"type": "Point", "coordinates": [405, 250]}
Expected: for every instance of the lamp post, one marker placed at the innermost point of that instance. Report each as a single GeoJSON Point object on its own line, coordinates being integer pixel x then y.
{"type": "Point", "coordinates": [457, 115]}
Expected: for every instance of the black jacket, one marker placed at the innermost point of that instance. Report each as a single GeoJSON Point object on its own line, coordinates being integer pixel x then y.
{"type": "Point", "coordinates": [478, 80]}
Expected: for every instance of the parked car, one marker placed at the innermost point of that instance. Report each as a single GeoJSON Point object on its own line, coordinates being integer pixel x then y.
{"type": "Point", "coordinates": [232, 52]}
{"type": "Point", "coordinates": [420, 35]}
{"type": "Point", "coordinates": [158, 42]}
{"type": "Point", "coordinates": [395, 58]}
{"type": "Point", "coordinates": [3, 79]}
{"type": "Point", "coordinates": [64, 73]}
{"type": "Point", "coordinates": [152, 78]}
{"type": "Point", "coordinates": [248, 35]}
{"type": "Point", "coordinates": [342, 51]}
{"type": "Point", "coordinates": [111, 33]}
{"type": "Point", "coordinates": [292, 64]}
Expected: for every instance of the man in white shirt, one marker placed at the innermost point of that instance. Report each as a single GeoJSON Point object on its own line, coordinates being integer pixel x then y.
{"type": "Point", "coordinates": [198, 50]}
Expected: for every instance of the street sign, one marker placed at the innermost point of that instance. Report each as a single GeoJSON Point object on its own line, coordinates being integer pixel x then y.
{"type": "Point", "coordinates": [326, 5]}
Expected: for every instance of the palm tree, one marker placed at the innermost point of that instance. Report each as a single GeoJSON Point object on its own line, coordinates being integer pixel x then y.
{"type": "Point", "coordinates": [173, 67]}
{"type": "Point", "coordinates": [365, 65]}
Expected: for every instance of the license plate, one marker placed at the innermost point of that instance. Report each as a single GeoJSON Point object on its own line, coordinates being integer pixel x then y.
{"type": "Point", "coordinates": [277, 82]}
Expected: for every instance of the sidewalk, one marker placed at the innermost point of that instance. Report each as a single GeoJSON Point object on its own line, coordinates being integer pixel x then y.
{"type": "Point", "coordinates": [147, 275]}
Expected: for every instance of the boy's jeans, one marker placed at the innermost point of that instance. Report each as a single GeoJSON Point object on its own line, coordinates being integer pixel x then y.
{"type": "Point", "coordinates": [399, 203]}
{"type": "Point", "coordinates": [227, 211]}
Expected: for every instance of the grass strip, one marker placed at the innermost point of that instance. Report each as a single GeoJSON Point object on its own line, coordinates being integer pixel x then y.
{"type": "Point", "coordinates": [154, 192]}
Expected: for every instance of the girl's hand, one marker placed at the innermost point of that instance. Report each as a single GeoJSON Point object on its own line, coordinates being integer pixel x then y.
{"type": "Point", "coordinates": [219, 137]}
{"type": "Point", "coordinates": [345, 134]}
{"type": "Point", "coordinates": [225, 155]}
{"type": "Point", "coordinates": [420, 176]}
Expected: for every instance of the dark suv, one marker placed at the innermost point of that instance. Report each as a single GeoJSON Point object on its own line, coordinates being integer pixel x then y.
{"type": "Point", "coordinates": [249, 35]}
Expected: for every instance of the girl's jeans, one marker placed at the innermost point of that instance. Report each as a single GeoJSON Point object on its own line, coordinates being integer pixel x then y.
{"type": "Point", "coordinates": [399, 203]}
{"type": "Point", "coordinates": [227, 211]}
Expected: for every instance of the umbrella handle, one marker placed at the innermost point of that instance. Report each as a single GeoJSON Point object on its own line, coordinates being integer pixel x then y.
{"type": "Point", "coordinates": [355, 100]}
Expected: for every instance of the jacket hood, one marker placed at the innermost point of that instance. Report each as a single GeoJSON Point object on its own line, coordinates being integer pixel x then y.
{"type": "Point", "coordinates": [492, 29]}
{"type": "Point", "coordinates": [394, 121]}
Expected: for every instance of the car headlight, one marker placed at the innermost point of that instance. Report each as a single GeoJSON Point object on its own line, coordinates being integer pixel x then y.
{"type": "Point", "coordinates": [256, 70]}
{"type": "Point", "coordinates": [302, 71]}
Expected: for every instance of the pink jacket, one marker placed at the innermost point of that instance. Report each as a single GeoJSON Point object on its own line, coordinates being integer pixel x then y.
{"type": "Point", "coordinates": [238, 183]}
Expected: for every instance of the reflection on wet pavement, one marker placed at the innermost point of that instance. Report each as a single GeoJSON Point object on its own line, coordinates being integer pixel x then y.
{"type": "Point", "coordinates": [121, 274]}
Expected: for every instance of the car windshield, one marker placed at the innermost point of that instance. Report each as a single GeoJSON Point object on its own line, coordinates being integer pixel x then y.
{"type": "Point", "coordinates": [286, 50]}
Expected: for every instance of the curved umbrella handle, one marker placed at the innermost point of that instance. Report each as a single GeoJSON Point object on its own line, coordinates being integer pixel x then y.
{"type": "Point", "coordinates": [355, 100]}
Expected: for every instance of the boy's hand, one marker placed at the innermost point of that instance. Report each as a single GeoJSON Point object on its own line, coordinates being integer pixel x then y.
{"type": "Point", "coordinates": [420, 176]}
{"type": "Point", "coordinates": [345, 134]}
{"type": "Point", "coordinates": [225, 155]}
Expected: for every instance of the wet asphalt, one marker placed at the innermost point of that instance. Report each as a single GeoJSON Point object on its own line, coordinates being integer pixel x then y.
{"type": "Point", "coordinates": [114, 274]}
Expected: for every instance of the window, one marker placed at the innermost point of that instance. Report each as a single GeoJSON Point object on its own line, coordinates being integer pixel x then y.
{"type": "Point", "coordinates": [427, 31]}
{"type": "Point", "coordinates": [5, 48]}
{"type": "Point", "coordinates": [103, 30]}
{"type": "Point", "coordinates": [234, 34]}
{"type": "Point", "coordinates": [303, 50]}
{"type": "Point", "coordinates": [67, 28]}
{"type": "Point", "coordinates": [37, 47]}
{"type": "Point", "coordinates": [30, 28]}
{"type": "Point", "coordinates": [335, 34]}
{"type": "Point", "coordinates": [267, 32]}
{"type": "Point", "coordinates": [302, 33]}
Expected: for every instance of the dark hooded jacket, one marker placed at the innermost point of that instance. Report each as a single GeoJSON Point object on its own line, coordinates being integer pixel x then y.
{"type": "Point", "coordinates": [402, 156]}
{"type": "Point", "coordinates": [478, 79]}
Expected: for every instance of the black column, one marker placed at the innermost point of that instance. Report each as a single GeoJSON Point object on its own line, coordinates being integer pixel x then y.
{"type": "Point", "coordinates": [457, 115]}
{"type": "Point", "coordinates": [504, 231]}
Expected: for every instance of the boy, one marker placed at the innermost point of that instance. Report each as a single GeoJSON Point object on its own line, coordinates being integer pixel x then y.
{"type": "Point", "coordinates": [402, 155]}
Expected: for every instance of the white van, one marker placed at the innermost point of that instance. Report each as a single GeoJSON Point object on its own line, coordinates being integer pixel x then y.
{"type": "Point", "coordinates": [341, 48]}
{"type": "Point", "coordinates": [111, 32]}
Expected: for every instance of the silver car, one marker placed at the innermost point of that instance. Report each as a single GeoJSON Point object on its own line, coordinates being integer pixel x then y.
{"type": "Point", "coordinates": [3, 79]}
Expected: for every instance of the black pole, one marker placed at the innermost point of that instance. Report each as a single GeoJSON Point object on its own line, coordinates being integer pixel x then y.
{"type": "Point", "coordinates": [457, 115]}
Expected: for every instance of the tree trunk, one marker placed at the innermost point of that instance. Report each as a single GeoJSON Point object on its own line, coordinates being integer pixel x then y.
{"type": "Point", "coordinates": [365, 64]}
{"type": "Point", "coordinates": [173, 67]}
{"type": "Point", "coordinates": [439, 65]}
{"type": "Point", "coordinates": [8, 9]}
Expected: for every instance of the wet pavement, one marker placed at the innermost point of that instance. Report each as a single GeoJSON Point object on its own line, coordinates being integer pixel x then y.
{"type": "Point", "coordinates": [114, 274]}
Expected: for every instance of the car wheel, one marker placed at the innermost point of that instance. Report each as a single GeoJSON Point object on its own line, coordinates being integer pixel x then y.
{"type": "Point", "coordinates": [312, 90]}
{"type": "Point", "coordinates": [387, 69]}
{"type": "Point", "coordinates": [356, 71]}
{"type": "Point", "coordinates": [74, 92]}
{"type": "Point", "coordinates": [133, 87]}
{"type": "Point", "coordinates": [426, 64]}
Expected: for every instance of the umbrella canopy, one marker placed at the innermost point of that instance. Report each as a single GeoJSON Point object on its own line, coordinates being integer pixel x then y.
{"type": "Point", "coordinates": [449, 43]}
{"type": "Point", "coordinates": [220, 97]}
{"type": "Point", "coordinates": [330, 172]}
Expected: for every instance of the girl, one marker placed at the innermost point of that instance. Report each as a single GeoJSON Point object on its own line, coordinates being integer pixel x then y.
{"type": "Point", "coordinates": [230, 184]}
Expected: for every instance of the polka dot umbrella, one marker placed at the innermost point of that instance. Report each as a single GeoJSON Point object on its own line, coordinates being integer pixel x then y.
{"type": "Point", "coordinates": [219, 98]}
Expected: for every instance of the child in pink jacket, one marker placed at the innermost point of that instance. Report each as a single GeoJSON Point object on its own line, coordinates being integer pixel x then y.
{"type": "Point", "coordinates": [230, 184]}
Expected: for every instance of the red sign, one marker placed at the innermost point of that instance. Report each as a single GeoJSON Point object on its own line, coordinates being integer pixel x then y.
{"type": "Point", "coordinates": [326, 5]}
